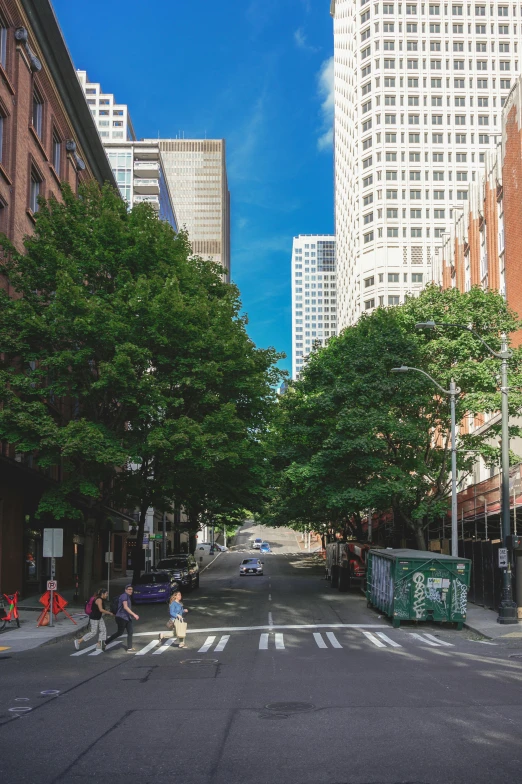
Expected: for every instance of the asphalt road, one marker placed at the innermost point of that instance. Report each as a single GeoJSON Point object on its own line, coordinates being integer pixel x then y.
{"type": "Point", "coordinates": [284, 681]}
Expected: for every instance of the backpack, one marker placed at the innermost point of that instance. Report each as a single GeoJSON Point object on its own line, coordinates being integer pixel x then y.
{"type": "Point", "coordinates": [115, 605]}
{"type": "Point", "coordinates": [88, 606]}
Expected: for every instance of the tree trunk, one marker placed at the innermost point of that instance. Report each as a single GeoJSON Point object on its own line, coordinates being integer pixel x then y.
{"type": "Point", "coordinates": [136, 567]}
{"type": "Point", "coordinates": [420, 539]}
{"type": "Point", "coordinates": [91, 529]}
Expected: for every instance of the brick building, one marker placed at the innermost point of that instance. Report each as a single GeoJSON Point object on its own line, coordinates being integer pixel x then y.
{"type": "Point", "coordinates": [47, 136]}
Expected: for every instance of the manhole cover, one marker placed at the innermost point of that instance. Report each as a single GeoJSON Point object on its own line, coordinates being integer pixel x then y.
{"type": "Point", "coordinates": [199, 661]}
{"type": "Point", "coordinates": [289, 707]}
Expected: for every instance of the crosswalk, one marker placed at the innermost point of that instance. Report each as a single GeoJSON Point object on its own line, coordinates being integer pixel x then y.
{"type": "Point", "coordinates": [275, 641]}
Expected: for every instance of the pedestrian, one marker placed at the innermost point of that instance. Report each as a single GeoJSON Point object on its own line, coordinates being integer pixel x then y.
{"type": "Point", "coordinates": [96, 622]}
{"type": "Point", "coordinates": [124, 618]}
{"type": "Point", "coordinates": [176, 622]}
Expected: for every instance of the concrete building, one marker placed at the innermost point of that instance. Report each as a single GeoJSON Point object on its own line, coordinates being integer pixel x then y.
{"type": "Point", "coordinates": [137, 165]}
{"type": "Point", "coordinates": [314, 296]}
{"type": "Point", "coordinates": [47, 136]}
{"type": "Point", "coordinates": [196, 171]}
{"type": "Point", "coordinates": [419, 90]}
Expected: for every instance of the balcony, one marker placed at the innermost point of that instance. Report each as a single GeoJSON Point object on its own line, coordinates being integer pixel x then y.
{"type": "Point", "coordinates": [152, 200]}
{"type": "Point", "coordinates": [146, 185]}
{"type": "Point", "coordinates": [146, 168]}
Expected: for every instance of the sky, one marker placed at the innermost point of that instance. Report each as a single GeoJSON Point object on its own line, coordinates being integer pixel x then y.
{"type": "Point", "coordinates": [258, 73]}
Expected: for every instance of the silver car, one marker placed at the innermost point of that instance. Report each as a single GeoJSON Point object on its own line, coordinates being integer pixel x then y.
{"type": "Point", "coordinates": [251, 566]}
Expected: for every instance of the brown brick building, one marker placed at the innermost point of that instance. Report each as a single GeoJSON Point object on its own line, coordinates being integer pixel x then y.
{"type": "Point", "coordinates": [47, 136]}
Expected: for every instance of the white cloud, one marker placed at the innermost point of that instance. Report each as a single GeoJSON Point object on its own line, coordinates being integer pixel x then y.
{"type": "Point", "coordinates": [325, 89]}
{"type": "Point", "coordinates": [301, 41]}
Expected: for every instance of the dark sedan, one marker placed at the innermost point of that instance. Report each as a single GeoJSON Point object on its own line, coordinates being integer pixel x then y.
{"type": "Point", "coordinates": [154, 587]}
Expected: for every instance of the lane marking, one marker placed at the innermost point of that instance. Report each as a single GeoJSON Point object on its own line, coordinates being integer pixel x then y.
{"type": "Point", "coordinates": [269, 597]}
{"type": "Point", "coordinates": [318, 637]}
{"type": "Point", "coordinates": [164, 647]}
{"type": "Point", "coordinates": [263, 642]}
{"type": "Point", "coordinates": [274, 626]}
{"type": "Point", "coordinates": [440, 642]}
{"type": "Point", "coordinates": [206, 645]}
{"type": "Point", "coordinates": [270, 619]}
{"type": "Point", "coordinates": [333, 639]}
{"type": "Point", "coordinates": [85, 650]}
{"type": "Point", "coordinates": [279, 642]}
{"type": "Point", "coordinates": [374, 639]}
{"type": "Point", "coordinates": [388, 640]}
{"type": "Point", "coordinates": [108, 647]}
{"type": "Point", "coordinates": [424, 640]}
{"type": "Point", "coordinates": [147, 648]}
{"type": "Point", "coordinates": [221, 644]}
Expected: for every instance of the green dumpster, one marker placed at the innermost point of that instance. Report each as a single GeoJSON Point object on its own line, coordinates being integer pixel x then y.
{"type": "Point", "coordinates": [415, 585]}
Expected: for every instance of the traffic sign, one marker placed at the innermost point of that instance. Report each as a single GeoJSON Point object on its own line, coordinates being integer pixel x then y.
{"type": "Point", "coordinates": [53, 543]}
{"type": "Point", "coordinates": [502, 558]}
{"type": "Point", "coordinates": [52, 585]}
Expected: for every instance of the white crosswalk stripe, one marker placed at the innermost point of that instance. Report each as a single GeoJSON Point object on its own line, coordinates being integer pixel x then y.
{"type": "Point", "coordinates": [385, 638]}
{"type": "Point", "coordinates": [279, 642]}
{"type": "Point", "coordinates": [333, 639]}
{"type": "Point", "coordinates": [440, 642]}
{"type": "Point", "coordinates": [424, 639]}
{"type": "Point", "coordinates": [164, 647]}
{"type": "Point", "coordinates": [221, 644]}
{"type": "Point", "coordinates": [147, 648]}
{"type": "Point", "coordinates": [107, 648]}
{"type": "Point", "coordinates": [263, 642]}
{"type": "Point", "coordinates": [207, 645]}
{"type": "Point", "coordinates": [319, 640]}
{"type": "Point", "coordinates": [374, 639]}
{"type": "Point", "coordinates": [85, 650]}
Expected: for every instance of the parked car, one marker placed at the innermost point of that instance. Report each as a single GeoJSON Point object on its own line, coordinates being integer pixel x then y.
{"type": "Point", "coordinates": [154, 587]}
{"type": "Point", "coordinates": [206, 547]}
{"type": "Point", "coordinates": [251, 566]}
{"type": "Point", "coordinates": [256, 544]}
{"type": "Point", "coordinates": [183, 568]}
{"type": "Point", "coordinates": [265, 548]}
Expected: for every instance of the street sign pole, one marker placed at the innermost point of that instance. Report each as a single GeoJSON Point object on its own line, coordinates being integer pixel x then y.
{"type": "Point", "coordinates": [53, 567]}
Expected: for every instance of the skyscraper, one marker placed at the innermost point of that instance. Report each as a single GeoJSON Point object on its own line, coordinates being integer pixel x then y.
{"type": "Point", "coordinates": [196, 171]}
{"type": "Point", "coordinates": [314, 309]}
{"type": "Point", "coordinates": [419, 89]}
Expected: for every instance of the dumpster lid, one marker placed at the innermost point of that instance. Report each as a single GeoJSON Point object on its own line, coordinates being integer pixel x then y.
{"type": "Point", "coordinates": [408, 554]}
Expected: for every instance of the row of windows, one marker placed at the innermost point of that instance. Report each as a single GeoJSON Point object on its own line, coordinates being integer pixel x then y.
{"type": "Point", "coordinates": [456, 10]}
{"type": "Point", "coordinates": [436, 138]}
{"type": "Point", "coordinates": [458, 65]}
{"type": "Point", "coordinates": [416, 176]}
{"type": "Point", "coordinates": [435, 83]}
{"type": "Point", "coordinates": [436, 46]}
{"type": "Point", "coordinates": [415, 213]}
{"type": "Point", "coordinates": [437, 119]}
{"type": "Point", "coordinates": [392, 301]}
{"type": "Point", "coordinates": [392, 232]}
{"type": "Point", "coordinates": [393, 277]}
{"type": "Point", "coordinates": [436, 100]}
{"type": "Point", "coordinates": [434, 28]}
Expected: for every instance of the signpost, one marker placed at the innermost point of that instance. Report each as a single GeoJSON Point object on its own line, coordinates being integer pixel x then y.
{"type": "Point", "coordinates": [502, 558]}
{"type": "Point", "coordinates": [52, 585]}
{"type": "Point", "coordinates": [109, 558]}
{"type": "Point", "coordinates": [52, 548]}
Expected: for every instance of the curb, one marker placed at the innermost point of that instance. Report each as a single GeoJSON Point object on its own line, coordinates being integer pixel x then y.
{"type": "Point", "coordinates": [477, 631]}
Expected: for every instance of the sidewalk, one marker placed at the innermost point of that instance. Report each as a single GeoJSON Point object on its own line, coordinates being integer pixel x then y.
{"type": "Point", "coordinates": [484, 622]}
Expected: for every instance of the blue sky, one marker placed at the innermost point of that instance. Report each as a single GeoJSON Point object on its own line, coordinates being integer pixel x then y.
{"type": "Point", "coordinates": [255, 72]}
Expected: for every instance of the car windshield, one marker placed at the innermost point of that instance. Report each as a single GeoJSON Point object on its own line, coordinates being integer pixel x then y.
{"type": "Point", "coordinates": [250, 561]}
{"type": "Point", "coordinates": [172, 563]}
{"type": "Point", "coordinates": [258, 540]}
{"type": "Point", "coordinates": [145, 579]}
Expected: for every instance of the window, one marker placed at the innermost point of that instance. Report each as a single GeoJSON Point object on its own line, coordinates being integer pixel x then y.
{"type": "Point", "coordinates": [104, 112]}
{"type": "Point", "coordinates": [416, 214]}
{"type": "Point", "coordinates": [438, 195]}
{"type": "Point", "coordinates": [413, 81]}
{"type": "Point", "coordinates": [367, 162]}
{"type": "Point", "coordinates": [460, 100]}
{"type": "Point", "coordinates": [436, 119]}
{"type": "Point", "coordinates": [436, 65]}
{"type": "Point", "coordinates": [391, 194]}
{"type": "Point", "coordinates": [439, 232]}
{"type": "Point", "coordinates": [480, 29]}
{"type": "Point", "coordinates": [391, 175]}
{"type": "Point", "coordinates": [434, 46]}
{"type": "Point", "coordinates": [368, 218]}
{"type": "Point", "coordinates": [389, 46]}
{"type": "Point", "coordinates": [461, 157]}
{"type": "Point", "coordinates": [460, 119]}
{"type": "Point", "coordinates": [36, 182]}
{"type": "Point", "coordinates": [502, 10]}
{"type": "Point", "coordinates": [3, 43]}
{"type": "Point", "coordinates": [415, 195]}
{"type": "Point", "coordinates": [458, 29]}
{"type": "Point", "coordinates": [387, 8]}
{"type": "Point", "coordinates": [413, 65]}
{"type": "Point", "coordinates": [392, 231]}
{"type": "Point", "coordinates": [413, 119]}
{"type": "Point", "coordinates": [2, 118]}
{"type": "Point", "coordinates": [483, 138]}
{"type": "Point", "coordinates": [458, 83]}
{"type": "Point", "coordinates": [436, 100]}
{"type": "Point", "coordinates": [505, 65]}
{"type": "Point", "coordinates": [392, 212]}
{"type": "Point", "coordinates": [434, 10]}
{"type": "Point", "coordinates": [367, 181]}
{"type": "Point", "coordinates": [117, 123]}
{"type": "Point", "coordinates": [366, 107]}
{"type": "Point", "coordinates": [118, 112]}
{"type": "Point", "coordinates": [368, 237]}
{"type": "Point", "coordinates": [411, 27]}
{"type": "Point", "coordinates": [369, 304]}
{"type": "Point", "coordinates": [57, 153]}
{"type": "Point", "coordinates": [438, 176]}
{"type": "Point", "coordinates": [388, 27]}
{"type": "Point", "coordinates": [367, 88]}
{"type": "Point", "coordinates": [434, 28]}
{"type": "Point", "coordinates": [365, 34]}
{"type": "Point", "coordinates": [389, 100]}
{"type": "Point", "coordinates": [390, 138]}
{"type": "Point", "coordinates": [438, 157]}
{"type": "Point", "coordinates": [415, 175]}
{"type": "Point", "coordinates": [482, 65]}
{"type": "Point", "coordinates": [389, 64]}
{"type": "Point", "coordinates": [439, 214]}
{"type": "Point", "coordinates": [37, 117]}
{"type": "Point", "coordinates": [365, 16]}
{"type": "Point", "coordinates": [458, 46]}
{"type": "Point", "coordinates": [414, 138]}
{"type": "Point", "coordinates": [503, 29]}
{"type": "Point", "coordinates": [391, 156]}
{"type": "Point", "coordinates": [390, 119]}
{"type": "Point", "coordinates": [416, 231]}
{"type": "Point", "coordinates": [480, 46]}
{"type": "Point", "coordinates": [483, 119]}
{"type": "Point", "coordinates": [505, 84]}
{"type": "Point", "coordinates": [389, 81]}
{"type": "Point", "coordinates": [366, 52]}
{"type": "Point", "coordinates": [436, 83]}
{"type": "Point", "coordinates": [462, 195]}
{"type": "Point", "coordinates": [503, 47]}
{"type": "Point", "coordinates": [436, 138]}
{"type": "Point", "coordinates": [411, 9]}
{"type": "Point", "coordinates": [416, 277]}
{"type": "Point", "coordinates": [462, 176]}
{"type": "Point", "coordinates": [369, 282]}
{"type": "Point", "coordinates": [393, 277]}
{"type": "Point", "coordinates": [413, 100]}
{"type": "Point", "coordinates": [368, 199]}
{"type": "Point", "coordinates": [460, 138]}
{"type": "Point", "coordinates": [393, 300]}
{"type": "Point", "coordinates": [367, 143]}
{"type": "Point", "coordinates": [366, 71]}
{"type": "Point", "coordinates": [456, 10]}
{"type": "Point", "coordinates": [480, 10]}
{"type": "Point", "coordinates": [412, 46]}
{"type": "Point", "coordinates": [366, 125]}
{"type": "Point", "coordinates": [458, 65]}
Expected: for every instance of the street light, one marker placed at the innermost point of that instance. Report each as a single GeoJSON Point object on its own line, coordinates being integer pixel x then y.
{"type": "Point", "coordinates": [508, 608]}
{"type": "Point", "coordinates": [453, 391]}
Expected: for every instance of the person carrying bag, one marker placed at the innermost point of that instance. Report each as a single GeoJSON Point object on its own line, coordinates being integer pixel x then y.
{"type": "Point", "coordinates": [176, 625]}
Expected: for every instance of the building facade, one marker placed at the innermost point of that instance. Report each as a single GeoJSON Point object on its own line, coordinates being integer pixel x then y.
{"type": "Point", "coordinates": [47, 137]}
{"type": "Point", "coordinates": [419, 90]}
{"type": "Point", "coordinates": [196, 172]}
{"type": "Point", "coordinates": [136, 165]}
{"type": "Point", "coordinates": [314, 295]}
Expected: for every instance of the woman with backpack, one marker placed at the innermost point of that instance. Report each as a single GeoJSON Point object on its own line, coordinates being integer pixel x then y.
{"type": "Point", "coordinates": [95, 610]}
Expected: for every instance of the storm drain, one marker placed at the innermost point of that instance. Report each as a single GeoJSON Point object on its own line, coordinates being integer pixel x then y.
{"type": "Point", "coordinates": [283, 710]}
{"type": "Point", "coordinates": [200, 662]}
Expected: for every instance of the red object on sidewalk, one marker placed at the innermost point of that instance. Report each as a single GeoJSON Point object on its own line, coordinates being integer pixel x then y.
{"type": "Point", "coordinates": [59, 605]}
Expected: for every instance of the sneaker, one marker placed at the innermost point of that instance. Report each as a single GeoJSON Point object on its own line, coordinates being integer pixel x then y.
{"type": "Point", "coordinates": [77, 644]}
{"type": "Point", "coordinates": [160, 638]}
{"type": "Point", "coordinates": [131, 650]}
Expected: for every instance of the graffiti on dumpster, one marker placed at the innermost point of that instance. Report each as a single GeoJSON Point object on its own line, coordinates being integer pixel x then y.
{"type": "Point", "coordinates": [418, 595]}
{"type": "Point", "coordinates": [460, 597]}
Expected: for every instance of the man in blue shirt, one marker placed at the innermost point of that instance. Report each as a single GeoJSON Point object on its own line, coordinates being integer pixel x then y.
{"type": "Point", "coordinates": [124, 618]}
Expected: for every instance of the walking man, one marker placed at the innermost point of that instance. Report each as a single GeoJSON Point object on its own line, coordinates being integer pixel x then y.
{"type": "Point", "coordinates": [125, 617]}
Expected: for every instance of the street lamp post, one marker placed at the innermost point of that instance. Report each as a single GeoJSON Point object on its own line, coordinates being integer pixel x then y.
{"type": "Point", "coordinates": [507, 613]}
{"type": "Point", "coordinates": [453, 391]}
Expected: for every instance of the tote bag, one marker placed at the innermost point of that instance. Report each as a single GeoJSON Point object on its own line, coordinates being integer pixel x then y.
{"type": "Point", "coordinates": [181, 628]}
